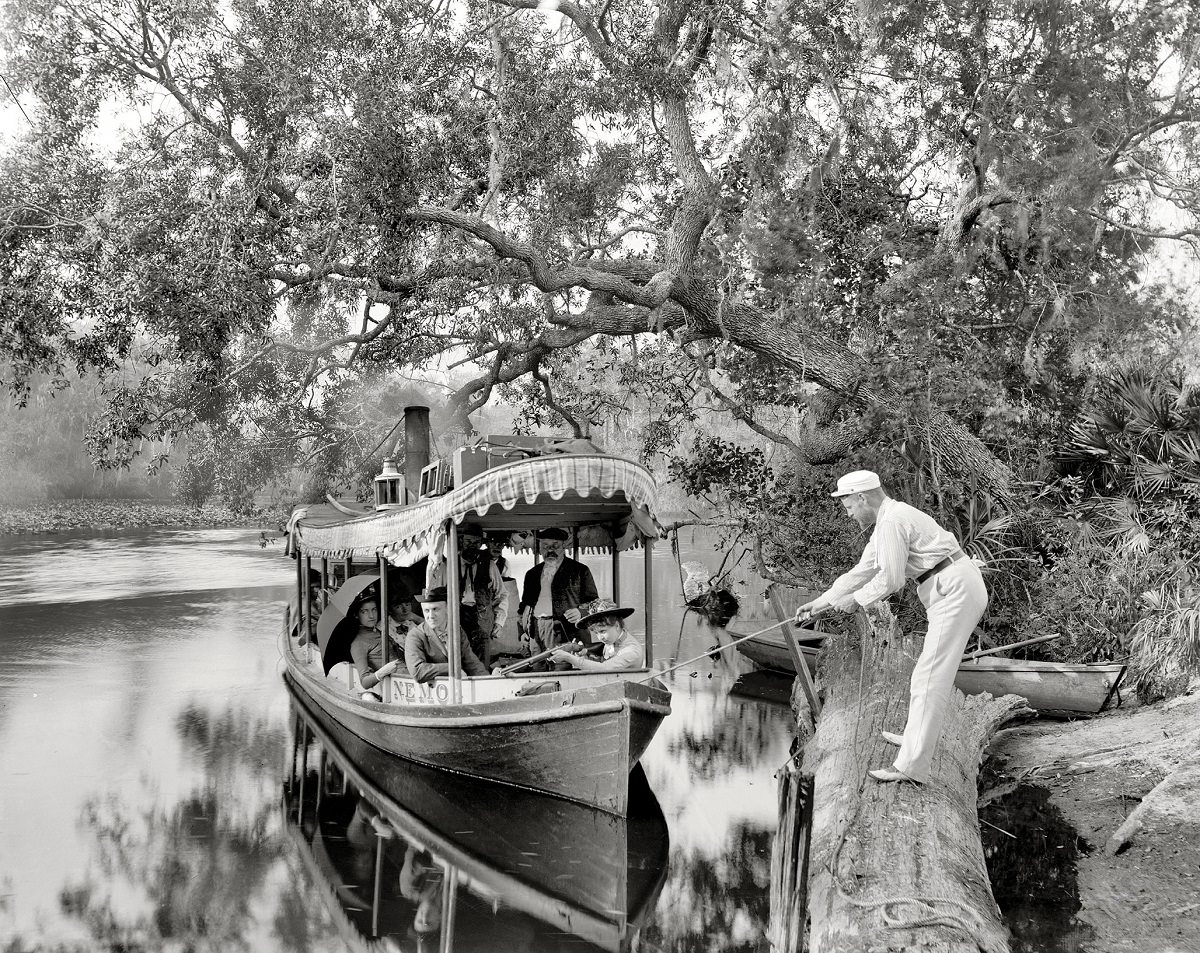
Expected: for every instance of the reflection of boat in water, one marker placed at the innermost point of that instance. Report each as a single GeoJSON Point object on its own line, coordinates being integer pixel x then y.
{"type": "Point", "coordinates": [1047, 686]}
{"type": "Point", "coordinates": [764, 686]}
{"type": "Point", "coordinates": [576, 734]}
{"type": "Point", "coordinates": [419, 859]}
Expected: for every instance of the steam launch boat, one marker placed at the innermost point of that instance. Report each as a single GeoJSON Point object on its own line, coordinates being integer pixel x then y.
{"type": "Point", "coordinates": [406, 857]}
{"type": "Point", "coordinates": [573, 734]}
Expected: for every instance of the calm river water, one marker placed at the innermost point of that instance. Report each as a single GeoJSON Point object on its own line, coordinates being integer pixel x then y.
{"type": "Point", "coordinates": [148, 764]}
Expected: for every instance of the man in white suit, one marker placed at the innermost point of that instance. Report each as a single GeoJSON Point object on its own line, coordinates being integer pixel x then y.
{"type": "Point", "coordinates": [908, 544]}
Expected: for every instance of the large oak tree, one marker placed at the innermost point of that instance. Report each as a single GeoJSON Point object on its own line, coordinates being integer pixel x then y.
{"type": "Point", "coordinates": [921, 217]}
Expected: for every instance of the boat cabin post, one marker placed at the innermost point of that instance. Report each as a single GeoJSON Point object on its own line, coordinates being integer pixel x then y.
{"type": "Point", "coordinates": [384, 622]}
{"type": "Point", "coordinates": [616, 565]}
{"type": "Point", "coordinates": [648, 546]}
{"type": "Point", "coordinates": [304, 601]}
{"type": "Point", "coordinates": [450, 879]}
{"type": "Point", "coordinates": [377, 887]}
{"type": "Point", "coordinates": [453, 613]}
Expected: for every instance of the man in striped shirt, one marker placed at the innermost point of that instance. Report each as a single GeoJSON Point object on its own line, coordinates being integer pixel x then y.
{"type": "Point", "coordinates": [908, 544]}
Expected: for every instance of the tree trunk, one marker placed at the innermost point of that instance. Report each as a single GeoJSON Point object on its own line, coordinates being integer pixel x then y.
{"type": "Point", "coordinates": [896, 866]}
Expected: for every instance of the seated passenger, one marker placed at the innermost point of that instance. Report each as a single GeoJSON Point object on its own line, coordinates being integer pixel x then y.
{"type": "Point", "coordinates": [366, 651]}
{"type": "Point", "coordinates": [603, 620]}
{"type": "Point", "coordinates": [425, 646]}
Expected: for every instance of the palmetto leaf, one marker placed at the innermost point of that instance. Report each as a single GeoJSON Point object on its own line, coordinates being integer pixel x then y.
{"type": "Point", "coordinates": [1143, 440]}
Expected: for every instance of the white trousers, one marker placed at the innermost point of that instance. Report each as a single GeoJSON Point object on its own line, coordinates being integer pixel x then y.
{"type": "Point", "coordinates": [954, 600]}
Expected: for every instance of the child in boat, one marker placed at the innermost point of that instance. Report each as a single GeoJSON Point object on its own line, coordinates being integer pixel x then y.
{"type": "Point", "coordinates": [604, 621]}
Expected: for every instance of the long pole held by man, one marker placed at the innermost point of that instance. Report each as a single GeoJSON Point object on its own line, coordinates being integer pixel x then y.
{"type": "Point", "coordinates": [908, 544]}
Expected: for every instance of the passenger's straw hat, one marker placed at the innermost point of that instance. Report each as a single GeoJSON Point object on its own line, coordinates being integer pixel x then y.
{"type": "Point", "coordinates": [598, 609]}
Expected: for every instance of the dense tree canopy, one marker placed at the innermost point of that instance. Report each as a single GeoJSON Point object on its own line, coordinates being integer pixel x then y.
{"type": "Point", "coordinates": [923, 221]}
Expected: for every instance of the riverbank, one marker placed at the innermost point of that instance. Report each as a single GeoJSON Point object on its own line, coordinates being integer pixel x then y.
{"type": "Point", "coordinates": [62, 515]}
{"type": "Point", "coordinates": [1128, 783]}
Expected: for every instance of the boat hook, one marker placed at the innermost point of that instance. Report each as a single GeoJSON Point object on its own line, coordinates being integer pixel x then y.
{"type": "Point", "coordinates": [719, 648]}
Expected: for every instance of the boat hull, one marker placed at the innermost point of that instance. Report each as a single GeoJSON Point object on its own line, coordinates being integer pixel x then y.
{"type": "Point", "coordinates": [579, 742]}
{"type": "Point", "coordinates": [596, 875]}
{"type": "Point", "coordinates": [1047, 686]}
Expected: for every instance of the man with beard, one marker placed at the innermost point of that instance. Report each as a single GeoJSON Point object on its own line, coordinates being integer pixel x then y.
{"type": "Point", "coordinates": [908, 544]}
{"type": "Point", "coordinates": [553, 592]}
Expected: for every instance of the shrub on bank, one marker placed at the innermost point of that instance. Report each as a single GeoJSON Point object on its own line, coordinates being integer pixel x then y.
{"type": "Point", "coordinates": [62, 515]}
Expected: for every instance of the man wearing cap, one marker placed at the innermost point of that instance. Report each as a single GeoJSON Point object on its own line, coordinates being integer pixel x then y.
{"type": "Point", "coordinates": [426, 651]}
{"type": "Point", "coordinates": [603, 621]}
{"type": "Point", "coordinates": [554, 590]}
{"type": "Point", "coordinates": [908, 544]}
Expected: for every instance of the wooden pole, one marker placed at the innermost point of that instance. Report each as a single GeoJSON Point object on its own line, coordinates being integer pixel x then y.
{"type": "Point", "coordinates": [303, 768]}
{"type": "Point", "coordinates": [385, 624]}
{"type": "Point", "coordinates": [307, 610]}
{"type": "Point", "coordinates": [377, 890]}
{"type": "Point", "coordinates": [648, 545]}
{"type": "Point", "coordinates": [798, 659]}
{"type": "Point", "coordinates": [616, 569]}
{"type": "Point", "coordinates": [789, 861]}
{"type": "Point", "coordinates": [449, 907]}
{"type": "Point", "coordinates": [453, 613]}
{"type": "Point", "coordinates": [1014, 645]}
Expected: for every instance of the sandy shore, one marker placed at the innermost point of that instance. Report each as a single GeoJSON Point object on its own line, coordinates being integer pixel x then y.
{"type": "Point", "coordinates": [1128, 782]}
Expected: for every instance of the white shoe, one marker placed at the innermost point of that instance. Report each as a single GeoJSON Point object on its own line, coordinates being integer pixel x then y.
{"type": "Point", "coordinates": [891, 774]}
{"type": "Point", "coordinates": [892, 738]}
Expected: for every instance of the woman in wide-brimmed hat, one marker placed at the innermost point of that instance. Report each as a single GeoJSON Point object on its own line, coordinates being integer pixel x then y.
{"type": "Point", "coordinates": [604, 621]}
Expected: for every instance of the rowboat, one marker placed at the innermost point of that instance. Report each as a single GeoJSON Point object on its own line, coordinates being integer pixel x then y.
{"type": "Point", "coordinates": [573, 734]}
{"type": "Point", "coordinates": [1048, 687]}
{"type": "Point", "coordinates": [408, 857]}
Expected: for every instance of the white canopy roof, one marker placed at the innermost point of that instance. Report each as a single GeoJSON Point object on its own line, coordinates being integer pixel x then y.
{"type": "Point", "coordinates": [607, 498]}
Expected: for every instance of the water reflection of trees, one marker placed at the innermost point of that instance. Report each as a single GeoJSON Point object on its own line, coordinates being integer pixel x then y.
{"type": "Point", "coordinates": [193, 874]}
{"type": "Point", "coordinates": [718, 904]}
{"type": "Point", "coordinates": [742, 735]}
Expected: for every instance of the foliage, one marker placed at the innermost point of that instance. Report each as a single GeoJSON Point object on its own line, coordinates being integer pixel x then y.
{"type": "Point", "coordinates": [933, 215]}
{"type": "Point", "coordinates": [1166, 642]}
{"type": "Point", "coordinates": [1140, 438]}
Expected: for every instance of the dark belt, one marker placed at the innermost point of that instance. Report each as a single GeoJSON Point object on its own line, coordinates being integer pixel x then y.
{"type": "Point", "coordinates": [940, 565]}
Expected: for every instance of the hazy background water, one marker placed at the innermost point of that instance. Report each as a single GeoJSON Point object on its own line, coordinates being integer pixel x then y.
{"type": "Point", "coordinates": [144, 742]}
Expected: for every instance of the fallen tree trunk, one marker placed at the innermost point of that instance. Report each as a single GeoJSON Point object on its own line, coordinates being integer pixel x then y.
{"type": "Point", "coordinates": [896, 866]}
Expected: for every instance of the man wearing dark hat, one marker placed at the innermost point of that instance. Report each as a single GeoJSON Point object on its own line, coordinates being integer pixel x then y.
{"type": "Point", "coordinates": [908, 544]}
{"type": "Point", "coordinates": [483, 607]}
{"type": "Point", "coordinates": [604, 622]}
{"type": "Point", "coordinates": [554, 590]}
{"type": "Point", "coordinates": [426, 651]}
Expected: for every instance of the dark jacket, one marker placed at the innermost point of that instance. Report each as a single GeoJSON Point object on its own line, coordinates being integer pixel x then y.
{"type": "Point", "coordinates": [571, 587]}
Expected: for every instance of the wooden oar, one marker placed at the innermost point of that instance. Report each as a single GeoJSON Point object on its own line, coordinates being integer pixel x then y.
{"type": "Point", "coordinates": [1014, 645]}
